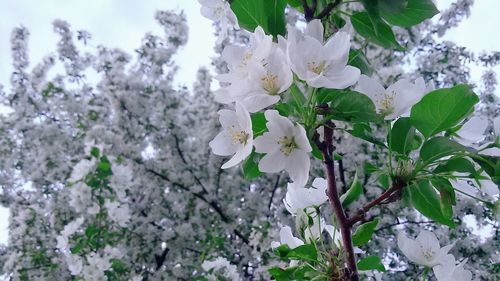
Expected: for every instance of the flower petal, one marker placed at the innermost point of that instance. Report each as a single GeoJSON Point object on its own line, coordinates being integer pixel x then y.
{"type": "Point", "coordinates": [297, 165]}
{"type": "Point", "coordinates": [272, 162]}
{"type": "Point", "coordinates": [222, 145]}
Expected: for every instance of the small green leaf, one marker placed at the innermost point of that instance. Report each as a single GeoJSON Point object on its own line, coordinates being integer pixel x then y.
{"type": "Point", "coordinates": [258, 123]}
{"type": "Point", "coordinates": [443, 109]}
{"type": "Point", "coordinates": [364, 131]}
{"type": "Point", "coordinates": [94, 151]}
{"type": "Point", "coordinates": [269, 14]}
{"type": "Point", "coordinates": [402, 136]}
{"type": "Point", "coordinates": [460, 165]}
{"type": "Point", "coordinates": [352, 193]}
{"type": "Point", "coordinates": [250, 166]}
{"type": "Point", "coordinates": [381, 34]}
{"type": "Point", "coordinates": [364, 233]}
{"type": "Point", "coordinates": [348, 105]}
{"type": "Point", "coordinates": [358, 59]}
{"type": "Point", "coordinates": [439, 147]}
{"type": "Point", "coordinates": [415, 12]}
{"type": "Point", "coordinates": [392, 6]}
{"type": "Point", "coordinates": [425, 199]}
{"type": "Point", "coordinates": [371, 263]}
{"type": "Point", "coordinates": [305, 252]}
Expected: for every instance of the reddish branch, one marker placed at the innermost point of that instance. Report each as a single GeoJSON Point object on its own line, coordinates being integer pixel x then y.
{"type": "Point", "coordinates": [390, 195]}
{"type": "Point", "coordinates": [351, 272]}
{"type": "Point", "coordinates": [309, 11]}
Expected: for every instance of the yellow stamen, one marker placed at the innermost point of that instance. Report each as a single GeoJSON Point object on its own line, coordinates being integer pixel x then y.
{"type": "Point", "coordinates": [316, 67]}
{"type": "Point", "coordinates": [269, 83]}
{"type": "Point", "coordinates": [287, 145]}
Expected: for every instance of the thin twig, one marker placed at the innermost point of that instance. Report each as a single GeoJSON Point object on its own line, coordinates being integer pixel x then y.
{"type": "Point", "coordinates": [276, 184]}
{"type": "Point", "coordinates": [328, 9]}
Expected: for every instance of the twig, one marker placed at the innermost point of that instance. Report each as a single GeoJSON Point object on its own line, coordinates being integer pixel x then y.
{"type": "Point", "coordinates": [390, 195]}
{"type": "Point", "coordinates": [328, 9]}
{"type": "Point", "coordinates": [273, 192]}
{"type": "Point", "coordinates": [403, 222]}
{"type": "Point", "coordinates": [351, 272]}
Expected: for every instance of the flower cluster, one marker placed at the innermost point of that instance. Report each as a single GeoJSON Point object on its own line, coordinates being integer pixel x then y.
{"type": "Point", "coordinates": [425, 250]}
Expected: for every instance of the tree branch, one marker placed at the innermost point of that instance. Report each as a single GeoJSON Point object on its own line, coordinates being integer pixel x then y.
{"type": "Point", "coordinates": [273, 192]}
{"type": "Point", "coordinates": [351, 272]}
{"type": "Point", "coordinates": [390, 195]}
{"type": "Point", "coordinates": [328, 9]}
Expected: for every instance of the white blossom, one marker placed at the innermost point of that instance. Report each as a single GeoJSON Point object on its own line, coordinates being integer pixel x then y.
{"type": "Point", "coordinates": [119, 213]}
{"type": "Point", "coordinates": [450, 271]}
{"type": "Point", "coordinates": [321, 65]}
{"type": "Point", "coordinates": [298, 197]}
{"type": "Point", "coordinates": [424, 250]}
{"type": "Point", "coordinates": [236, 138]}
{"type": "Point", "coordinates": [286, 147]}
{"type": "Point", "coordinates": [286, 237]}
{"type": "Point", "coordinates": [81, 169]}
{"type": "Point", "coordinates": [394, 101]}
{"type": "Point", "coordinates": [222, 265]}
{"type": "Point", "coordinates": [473, 130]}
{"type": "Point", "coordinates": [220, 12]}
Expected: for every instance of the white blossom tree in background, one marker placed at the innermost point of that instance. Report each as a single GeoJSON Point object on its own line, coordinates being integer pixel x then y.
{"type": "Point", "coordinates": [340, 159]}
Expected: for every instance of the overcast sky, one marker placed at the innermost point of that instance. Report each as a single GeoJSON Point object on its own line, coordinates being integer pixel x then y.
{"type": "Point", "coordinates": [122, 23]}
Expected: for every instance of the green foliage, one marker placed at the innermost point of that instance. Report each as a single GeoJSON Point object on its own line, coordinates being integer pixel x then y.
{"type": "Point", "coordinates": [364, 233]}
{"type": "Point", "coordinates": [364, 131]}
{"type": "Point", "coordinates": [371, 263]}
{"type": "Point", "coordinates": [358, 59]}
{"type": "Point", "coordinates": [348, 105]}
{"type": "Point", "coordinates": [425, 199]}
{"type": "Point", "coordinates": [443, 109]}
{"type": "Point", "coordinates": [352, 193]}
{"type": "Point", "coordinates": [269, 14]}
{"type": "Point", "coordinates": [258, 124]}
{"type": "Point", "coordinates": [402, 136]}
{"type": "Point", "coordinates": [415, 12]}
{"type": "Point", "coordinates": [437, 148]}
{"type": "Point", "coordinates": [250, 166]}
{"type": "Point", "coordinates": [306, 252]}
{"type": "Point", "coordinates": [376, 32]}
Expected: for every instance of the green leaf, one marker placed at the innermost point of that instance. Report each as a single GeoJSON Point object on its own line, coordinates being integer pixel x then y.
{"type": "Point", "coordinates": [392, 6]}
{"type": "Point", "coordinates": [305, 252]}
{"type": "Point", "coordinates": [250, 166]}
{"type": "Point", "coordinates": [364, 233]}
{"type": "Point", "coordinates": [94, 151]}
{"type": "Point", "coordinates": [402, 136]}
{"type": "Point", "coordinates": [381, 34]}
{"type": "Point", "coordinates": [269, 14]}
{"type": "Point", "coordinates": [364, 131]}
{"type": "Point", "coordinates": [446, 196]}
{"type": "Point", "coordinates": [258, 123]}
{"type": "Point", "coordinates": [348, 105]}
{"type": "Point", "coordinates": [352, 193]}
{"type": "Point", "coordinates": [415, 12]}
{"type": "Point", "coordinates": [358, 59]}
{"type": "Point", "coordinates": [460, 165]}
{"type": "Point", "coordinates": [443, 109]}
{"type": "Point", "coordinates": [437, 148]}
{"type": "Point", "coordinates": [425, 199]}
{"type": "Point", "coordinates": [371, 263]}
{"type": "Point", "coordinates": [291, 273]}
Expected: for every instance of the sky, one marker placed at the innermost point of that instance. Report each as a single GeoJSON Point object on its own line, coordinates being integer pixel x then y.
{"type": "Point", "coordinates": [122, 23]}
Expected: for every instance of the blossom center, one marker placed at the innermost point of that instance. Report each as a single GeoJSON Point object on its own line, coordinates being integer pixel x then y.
{"type": "Point", "coordinates": [269, 83]}
{"type": "Point", "coordinates": [316, 67]}
{"type": "Point", "coordinates": [428, 254]}
{"type": "Point", "coordinates": [219, 12]}
{"type": "Point", "coordinates": [287, 145]}
{"type": "Point", "coordinates": [386, 103]}
{"type": "Point", "coordinates": [238, 136]}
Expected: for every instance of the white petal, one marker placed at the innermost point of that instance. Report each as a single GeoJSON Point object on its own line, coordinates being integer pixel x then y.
{"type": "Point", "coordinates": [286, 237]}
{"type": "Point", "coordinates": [315, 29]}
{"type": "Point", "coordinates": [222, 145]}
{"type": "Point", "coordinates": [300, 138]}
{"type": "Point", "coordinates": [277, 124]}
{"type": "Point", "coordinates": [266, 143]}
{"type": "Point", "coordinates": [239, 156]}
{"type": "Point", "coordinates": [370, 87]}
{"type": "Point", "coordinates": [337, 48]}
{"type": "Point", "coordinates": [297, 165]}
{"type": "Point", "coordinates": [473, 130]}
{"type": "Point", "coordinates": [496, 125]}
{"type": "Point", "coordinates": [342, 79]}
{"type": "Point", "coordinates": [258, 100]}
{"type": "Point", "coordinates": [228, 119]}
{"type": "Point", "coordinates": [428, 240]}
{"type": "Point", "coordinates": [244, 119]}
{"type": "Point", "coordinates": [272, 162]}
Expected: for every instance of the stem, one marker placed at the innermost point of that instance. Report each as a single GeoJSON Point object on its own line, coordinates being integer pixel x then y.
{"type": "Point", "coordinates": [396, 186]}
{"type": "Point", "coordinates": [389, 143]}
{"type": "Point", "coordinates": [351, 272]}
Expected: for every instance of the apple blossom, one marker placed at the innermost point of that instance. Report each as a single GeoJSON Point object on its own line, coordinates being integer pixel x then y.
{"type": "Point", "coordinates": [236, 137]}
{"type": "Point", "coordinates": [494, 151]}
{"type": "Point", "coordinates": [219, 11]}
{"type": "Point", "coordinates": [264, 84]}
{"type": "Point", "coordinates": [286, 147]}
{"type": "Point", "coordinates": [286, 237]}
{"type": "Point", "coordinates": [321, 65]}
{"type": "Point", "coordinates": [450, 271]}
{"type": "Point", "coordinates": [223, 266]}
{"type": "Point", "coordinates": [394, 101]}
{"type": "Point", "coordinates": [241, 59]}
{"type": "Point", "coordinates": [299, 198]}
{"type": "Point", "coordinates": [424, 250]}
